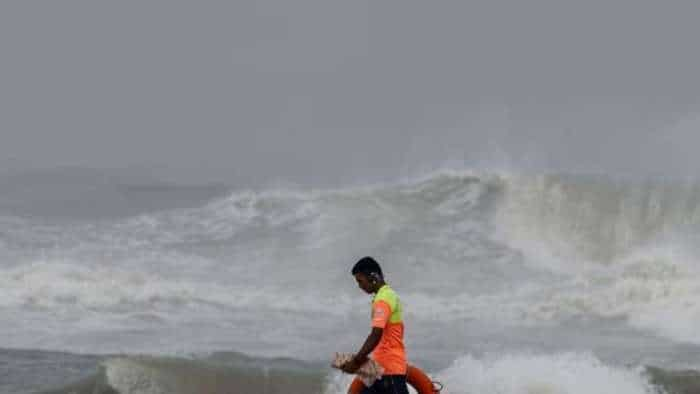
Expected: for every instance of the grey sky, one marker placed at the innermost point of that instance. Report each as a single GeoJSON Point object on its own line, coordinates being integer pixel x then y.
{"type": "Point", "coordinates": [322, 91]}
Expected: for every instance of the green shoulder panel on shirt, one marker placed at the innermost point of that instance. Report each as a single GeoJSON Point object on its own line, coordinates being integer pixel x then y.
{"type": "Point", "coordinates": [388, 295]}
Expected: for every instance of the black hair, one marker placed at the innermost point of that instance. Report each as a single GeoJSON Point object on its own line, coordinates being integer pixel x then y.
{"type": "Point", "coordinates": [367, 265]}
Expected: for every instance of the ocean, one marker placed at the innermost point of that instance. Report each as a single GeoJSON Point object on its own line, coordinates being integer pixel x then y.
{"type": "Point", "coordinates": [511, 283]}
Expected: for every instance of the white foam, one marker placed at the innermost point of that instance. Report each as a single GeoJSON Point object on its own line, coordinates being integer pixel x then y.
{"type": "Point", "coordinates": [653, 290]}
{"type": "Point", "coordinates": [127, 376]}
{"type": "Point", "coordinates": [58, 285]}
{"type": "Point", "coordinates": [566, 373]}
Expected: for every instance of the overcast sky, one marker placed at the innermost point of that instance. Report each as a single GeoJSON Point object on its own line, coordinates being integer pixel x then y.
{"type": "Point", "coordinates": [327, 91]}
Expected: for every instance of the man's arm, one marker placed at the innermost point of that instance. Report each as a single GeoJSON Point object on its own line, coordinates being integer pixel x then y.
{"type": "Point", "coordinates": [370, 343]}
{"type": "Point", "coordinates": [380, 317]}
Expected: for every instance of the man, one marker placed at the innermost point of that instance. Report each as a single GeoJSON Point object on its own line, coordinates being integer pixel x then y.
{"type": "Point", "coordinates": [385, 341]}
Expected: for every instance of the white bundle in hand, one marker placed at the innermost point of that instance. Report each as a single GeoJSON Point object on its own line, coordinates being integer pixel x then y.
{"type": "Point", "coordinates": [369, 372]}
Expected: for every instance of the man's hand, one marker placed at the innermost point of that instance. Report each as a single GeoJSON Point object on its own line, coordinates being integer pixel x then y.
{"type": "Point", "coordinates": [370, 343]}
{"type": "Point", "coordinates": [351, 366]}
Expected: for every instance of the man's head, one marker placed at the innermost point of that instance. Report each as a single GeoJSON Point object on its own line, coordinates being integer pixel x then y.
{"type": "Point", "coordinates": [368, 275]}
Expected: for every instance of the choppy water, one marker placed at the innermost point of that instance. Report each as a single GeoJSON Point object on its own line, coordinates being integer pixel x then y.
{"type": "Point", "coordinates": [511, 284]}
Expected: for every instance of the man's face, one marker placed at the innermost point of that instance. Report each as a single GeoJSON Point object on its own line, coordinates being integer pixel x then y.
{"type": "Point", "coordinates": [363, 282]}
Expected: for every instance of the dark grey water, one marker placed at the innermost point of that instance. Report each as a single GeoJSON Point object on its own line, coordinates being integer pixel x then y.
{"type": "Point", "coordinates": [76, 193]}
{"type": "Point", "coordinates": [27, 371]}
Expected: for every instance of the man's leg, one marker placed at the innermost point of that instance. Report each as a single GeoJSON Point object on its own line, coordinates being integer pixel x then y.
{"type": "Point", "coordinates": [397, 384]}
{"type": "Point", "coordinates": [389, 384]}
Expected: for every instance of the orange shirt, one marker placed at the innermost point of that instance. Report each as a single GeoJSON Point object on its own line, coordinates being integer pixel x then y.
{"type": "Point", "coordinates": [390, 353]}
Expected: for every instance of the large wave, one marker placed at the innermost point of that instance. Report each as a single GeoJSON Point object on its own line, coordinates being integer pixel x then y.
{"type": "Point", "coordinates": [545, 249]}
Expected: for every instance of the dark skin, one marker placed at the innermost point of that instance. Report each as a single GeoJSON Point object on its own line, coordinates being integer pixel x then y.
{"type": "Point", "coordinates": [369, 285]}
